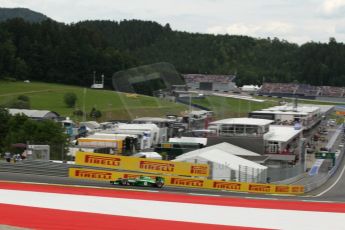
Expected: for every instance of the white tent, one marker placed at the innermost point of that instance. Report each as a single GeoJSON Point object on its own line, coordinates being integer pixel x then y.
{"type": "Point", "coordinates": [227, 166]}
{"type": "Point", "coordinates": [226, 147]}
{"type": "Point", "coordinates": [250, 88]}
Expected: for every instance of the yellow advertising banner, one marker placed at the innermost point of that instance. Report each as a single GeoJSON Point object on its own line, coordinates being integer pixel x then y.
{"type": "Point", "coordinates": [141, 164]}
{"type": "Point", "coordinates": [188, 182]}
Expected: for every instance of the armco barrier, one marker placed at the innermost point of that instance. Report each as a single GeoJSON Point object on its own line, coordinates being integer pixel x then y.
{"type": "Point", "coordinates": [189, 182]}
{"type": "Point", "coordinates": [141, 164]}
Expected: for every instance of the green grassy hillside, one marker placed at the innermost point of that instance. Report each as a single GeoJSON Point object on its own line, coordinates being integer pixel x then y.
{"type": "Point", "coordinates": [231, 107]}
{"type": "Point", "coordinates": [113, 105]}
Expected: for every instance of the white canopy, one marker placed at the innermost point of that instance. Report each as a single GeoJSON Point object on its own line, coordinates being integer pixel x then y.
{"type": "Point", "coordinates": [225, 147]}
{"type": "Point", "coordinates": [221, 157]}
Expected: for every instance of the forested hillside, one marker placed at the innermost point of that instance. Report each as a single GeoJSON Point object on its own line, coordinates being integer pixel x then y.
{"type": "Point", "coordinates": [26, 14]}
{"type": "Point", "coordinates": [55, 52]}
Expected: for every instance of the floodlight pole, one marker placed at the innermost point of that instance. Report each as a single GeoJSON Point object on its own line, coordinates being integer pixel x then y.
{"type": "Point", "coordinates": [84, 114]}
{"type": "Point", "coordinates": [190, 109]}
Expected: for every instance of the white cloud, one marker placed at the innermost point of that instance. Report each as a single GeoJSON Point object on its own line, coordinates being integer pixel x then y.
{"type": "Point", "coordinates": [340, 28]}
{"type": "Point", "coordinates": [332, 7]}
{"type": "Point", "coordinates": [294, 20]}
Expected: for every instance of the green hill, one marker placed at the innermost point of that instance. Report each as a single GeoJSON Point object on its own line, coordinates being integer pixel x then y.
{"type": "Point", "coordinates": [26, 14]}
{"type": "Point", "coordinates": [113, 105]}
{"type": "Point", "coordinates": [69, 53]}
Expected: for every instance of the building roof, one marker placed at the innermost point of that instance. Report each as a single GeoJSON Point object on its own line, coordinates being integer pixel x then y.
{"type": "Point", "coordinates": [33, 113]}
{"type": "Point", "coordinates": [199, 140]}
{"type": "Point", "coordinates": [290, 108]}
{"type": "Point", "coordinates": [137, 126]}
{"type": "Point", "coordinates": [153, 155]}
{"type": "Point", "coordinates": [111, 136]}
{"type": "Point", "coordinates": [199, 112]}
{"type": "Point", "coordinates": [90, 124]}
{"type": "Point", "coordinates": [281, 157]}
{"type": "Point", "coordinates": [244, 121]}
{"type": "Point", "coordinates": [323, 108]}
{"type": "Point", "coordinates": [258, 159]}
{"type": "Point", "coordinates": [281, 133]}
{"type": "Point", "coordinates": [229, 160]}
{"type": "Point", "coordinates": [279, 112]}
{"type": "Point", "coordinates": [225, 147]}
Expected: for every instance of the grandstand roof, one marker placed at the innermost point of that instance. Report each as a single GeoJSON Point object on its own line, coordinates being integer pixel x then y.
{"type": "Point", "coordinates": [208, 77]}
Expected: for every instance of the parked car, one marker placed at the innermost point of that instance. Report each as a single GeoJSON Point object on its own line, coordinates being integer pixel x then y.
{"type": "Point", "coordinates": [324, 150]}
{"type": "Point", "coordinates": [145, 181]}
{"type": "Point", "coordinates": [323, 138]}
{"type": "Point", "coordinates": [332, 122]}
{"type": "Point", "coordinates": [325, 132]}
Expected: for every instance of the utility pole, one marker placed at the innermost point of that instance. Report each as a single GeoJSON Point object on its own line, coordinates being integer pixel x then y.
{"type": "Point", "coordinates": [190, 111]}
{"type": "Point", "coordinates": [84, 113]}
{"type": "Point", "coordinates": [94, 77]}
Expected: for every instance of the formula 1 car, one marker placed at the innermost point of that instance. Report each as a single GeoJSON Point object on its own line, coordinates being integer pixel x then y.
{"type": "Point", "coordinates": [140, 181]}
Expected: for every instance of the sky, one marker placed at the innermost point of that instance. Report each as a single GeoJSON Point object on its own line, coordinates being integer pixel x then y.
{"type": "Point", "coordinates": [297, 21]}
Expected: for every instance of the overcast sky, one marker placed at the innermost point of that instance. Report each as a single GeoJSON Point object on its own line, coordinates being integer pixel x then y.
{"type": "Point", "coordinates": [293, 20]}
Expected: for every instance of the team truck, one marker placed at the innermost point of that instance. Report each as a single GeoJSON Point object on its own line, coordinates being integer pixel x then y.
{"type": "Point", "coordinates": [144, 181]}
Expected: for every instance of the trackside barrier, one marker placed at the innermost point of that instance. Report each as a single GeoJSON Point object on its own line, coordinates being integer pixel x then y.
{"type": "Point", "coordinates": [141, 164]}
{"type": "Point", "coordinates": [188, 182]}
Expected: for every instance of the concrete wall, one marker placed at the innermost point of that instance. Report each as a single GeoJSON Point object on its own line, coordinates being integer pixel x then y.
{"type": "Point", "coordinates": [331, 99]}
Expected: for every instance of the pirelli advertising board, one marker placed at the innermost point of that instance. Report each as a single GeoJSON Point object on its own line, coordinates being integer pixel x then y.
{"type": "Point", "coordinates": [141, 164]}
{"type": "Point", "coordinates": [190, 182]}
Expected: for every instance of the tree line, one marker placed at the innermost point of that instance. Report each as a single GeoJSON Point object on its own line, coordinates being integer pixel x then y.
{"type": "Point", "coordinates": [21, 129]}
{"type": "Point", "coordinates": [55, 52]}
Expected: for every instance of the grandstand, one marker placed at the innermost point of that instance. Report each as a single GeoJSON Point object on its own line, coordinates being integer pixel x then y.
{"type": "Point", "coordinates": [331, 91]}
{"type": "Point", "coordinates": [222, 83]}
{"type": "Point", "coordinates": [308, 90]}
{"type": "Point", "coordinates": [302, 91]}
{"type": "Point", "coordinates": [147, 79]}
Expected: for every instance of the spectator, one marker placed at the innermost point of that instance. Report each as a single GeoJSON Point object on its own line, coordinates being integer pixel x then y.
{"type": "Point", "coordinates": [8, 156]}
{"type": "Point", "coordinates": [24, 155]}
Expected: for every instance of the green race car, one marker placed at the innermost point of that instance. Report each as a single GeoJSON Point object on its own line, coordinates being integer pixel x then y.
{"type": "Point", "coordinates": [140, 181]}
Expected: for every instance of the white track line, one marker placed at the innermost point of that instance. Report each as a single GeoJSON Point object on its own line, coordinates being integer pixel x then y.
{"type": "Point", "coordinates": [176, 211]}
{"type": "Point", "coordinates": [202, 194]}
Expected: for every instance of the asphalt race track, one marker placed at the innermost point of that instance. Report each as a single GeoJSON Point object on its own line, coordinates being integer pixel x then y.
{"type": "Point", "coordinates": [336, 194]}
{"type": "Point", "coordinates": [41, 206]}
